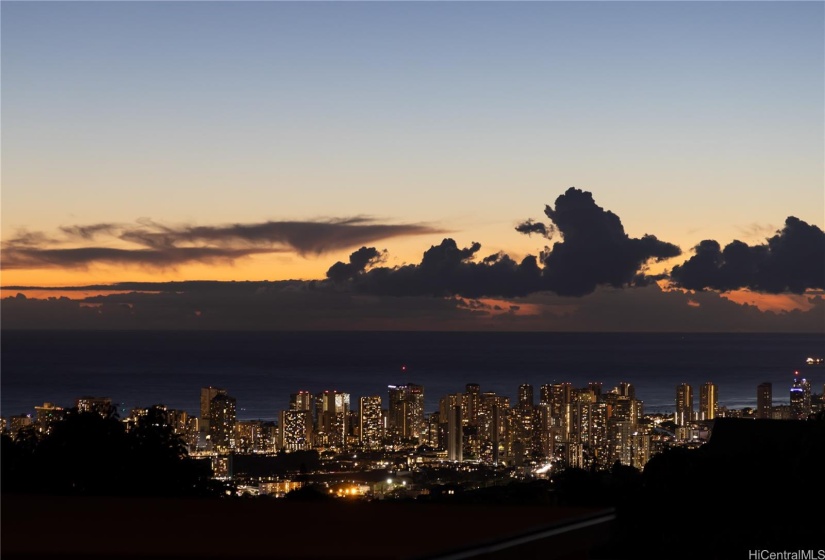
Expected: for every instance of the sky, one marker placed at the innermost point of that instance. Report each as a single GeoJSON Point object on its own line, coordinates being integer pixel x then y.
{"type": "Point", "coordinates": [267, 141]}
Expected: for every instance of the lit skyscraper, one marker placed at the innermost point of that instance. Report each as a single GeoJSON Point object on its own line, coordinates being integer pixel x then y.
{"type": "Point", "coordinates": [207, 394]}
{"type": "Point", "coordinates": [596, 388]}
{"type": "Point", "coordinates": [332, 409]}
{"type": "Point", "coordinates": [684, 404]}
{"type": "Point", "coordinates": [627, 390]}
{"type": "Point", "coordinates": [295, 430]}
{"type": "Point", "coordinates": [371, 425]}
{"type": "Point", "coordinates": [455, 432]}
{"type": "Point", "coordinates": [708, 403]}
{"type": "Point", "coordinates": [545, 394]}
{"type": "Point", "coordinates": [561, 394]}
{"type": "Point", "coordinates": [406, 412]}
{"type": "Point", "coordinates": [302, 400]}
{"type": "Point", "coordinates": [222, 417]}
{"type": "Point", "coordinates": [764, 400]}
{"type": "Point", "coordinates": [525, 395]}
{"type": "Point", "coordinates": [493, 425]}
{"type": "Point", "coordinates": [470, 404]}
{"type": "Point", "coordinates": [800, 397]}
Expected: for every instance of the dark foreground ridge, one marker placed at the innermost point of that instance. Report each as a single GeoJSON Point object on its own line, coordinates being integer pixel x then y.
{"type": "Point", "coordinates": [107, 527]}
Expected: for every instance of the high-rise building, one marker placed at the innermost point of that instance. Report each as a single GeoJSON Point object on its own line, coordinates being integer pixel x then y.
{"type": "Point", "coordinates": [684, 404]}
{"type": "Point", "coordinates": [371, 424]}
{"type": "Point", "coordinates": [708, 403]}
{"type": "Point", "coordinates": [46, 416]}
{"type": "Point", "coordinates": [222, 418]}
{"type": "Point", "coordinates": [626, 389]}
{"type": "Point", "coordinates": [295, 430]}
{"type": "Point", "coordinates": [207, 394]}
{"type": "Point", "coordinates": [545, 394]}
{"type": "Point", "coordinates": [101, 405]}
{"type": "Point", "coordinates": [800, 397]}
{"type": "Point", "coordinates": [470, 404]}
{"type": "Point", "coordinates": [525, 395]}
{"type": "Point", "coordinates": [782, 412]}
{"type": "Point", "coordinates": [624, 408]}
{"type": "Point", "coordinates": [764, 400]}
{"type": "Point", "coordinates": [620, 441]}
{"type": "Point", "coordinates": [597, 450]}
{"type": "Point", "coordinates": [435, 434]}
{"type": "Point", "coordinates": [406, 412]}
{"type": "Point", "coordinates": [455, 433]}
{"type": "Point", "coordinates": [492, 427]}
{"type": "Point", "coordinates": [332, 410]}
{"type": "Point", "coordinates": [185, 425]}
{"type": "Point", "coordinates": [561, 394]}
{"type": "Point", "coordinates": [253, 436]}
{"type": "Point", "coordinates": [525, 423]}
{"type": "Point", "coordinates": [596, 388]}
{"type": "Point", "coordinates": [302, 400]}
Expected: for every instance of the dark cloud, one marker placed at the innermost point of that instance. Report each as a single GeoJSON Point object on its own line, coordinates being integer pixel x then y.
{"type": "Point", "coordinates": [163, 246]}
{"type": "Point", "coordinates": [595, 249]}
{"type": "Point", "coordinates": [530, 227]}
{"type": "Point", "coordinates": [446, 269]}
{"type": "Point", "coordinates": [358, 262]}
{"type": "Point", "coordinates": [26, 258]}
{"type": "Point", "coordinates": [793, 260]}
{"type": "Point", "coordinates": [304, 237]}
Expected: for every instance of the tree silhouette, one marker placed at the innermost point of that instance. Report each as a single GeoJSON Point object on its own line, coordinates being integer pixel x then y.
{"type": "Point", "coordinates": [90, 453]}
{"type": "Point", "coordinates": [158, 463]}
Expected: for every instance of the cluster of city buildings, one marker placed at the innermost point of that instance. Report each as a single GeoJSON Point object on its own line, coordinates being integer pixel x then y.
{"type": "Point", "coordinates": [586, 427]}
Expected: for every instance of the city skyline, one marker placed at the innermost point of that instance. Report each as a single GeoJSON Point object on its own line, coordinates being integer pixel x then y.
{"type": "Point", "coordinates": [542, 166]}
{"type": "Point", "coordinates": [579, 427]}
{"type": "Point", "coordinates": [334, 401]}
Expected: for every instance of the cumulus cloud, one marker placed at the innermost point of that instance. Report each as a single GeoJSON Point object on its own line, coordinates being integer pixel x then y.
{"type": "Point", "coordinates": [153, 244]}
{"type": "Point", "coordinates": [358, 262]}
{"type": "Point", "coordinates": [594, 251]}
{"type": "Point", "coordinates": [446, 270]}
{"type": "Point", "coordinates": [793, 260]}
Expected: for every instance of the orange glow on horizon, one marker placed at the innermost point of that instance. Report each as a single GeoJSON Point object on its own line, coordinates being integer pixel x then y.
{"type": "Point", "coordinates": [495, 307]}
{"type": "Point", "coordinates": [69, 294]}
{"type": "Point", "coordinates": [764, 302]}
{"type": "Point", "coordinates": [258, 268]}
{"type": "Point", "coordinates": [770, 302]}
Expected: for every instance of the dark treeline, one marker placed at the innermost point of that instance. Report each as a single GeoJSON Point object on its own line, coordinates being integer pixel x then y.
{"type": "Point", "coordinates": [92, 454]}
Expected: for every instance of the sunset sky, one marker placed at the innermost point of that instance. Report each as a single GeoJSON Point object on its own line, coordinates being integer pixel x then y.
{"type": "Point", "coordinates": [154, 142]}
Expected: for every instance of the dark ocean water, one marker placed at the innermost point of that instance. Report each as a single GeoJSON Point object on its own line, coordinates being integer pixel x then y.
{"type": "Point", "coordinates": [261, 369]}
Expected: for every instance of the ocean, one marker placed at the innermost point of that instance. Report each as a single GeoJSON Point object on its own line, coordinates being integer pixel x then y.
{"type": "Point", "coordinates": [261, 369]}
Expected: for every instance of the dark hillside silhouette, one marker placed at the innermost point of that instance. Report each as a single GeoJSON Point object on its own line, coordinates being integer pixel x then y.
{"type": "Point", "coordinates": [92, 454]}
